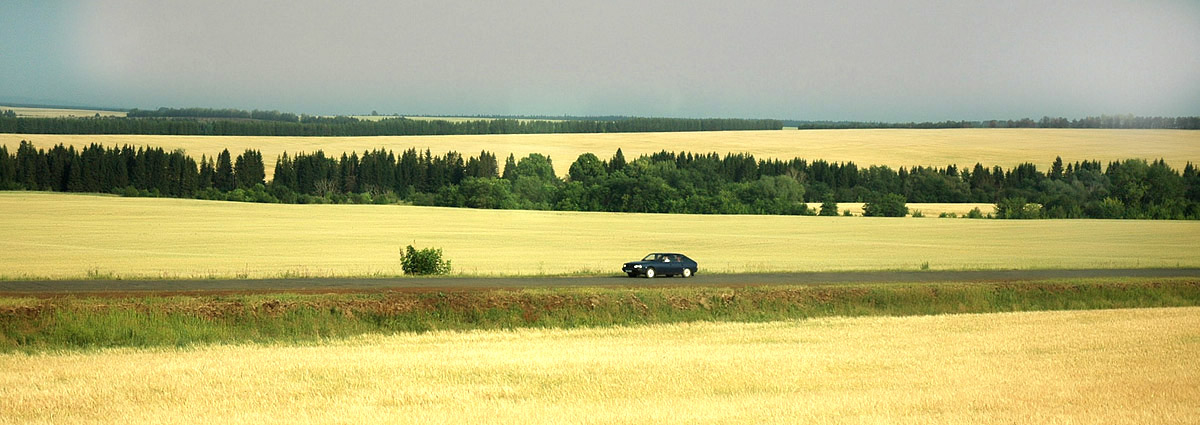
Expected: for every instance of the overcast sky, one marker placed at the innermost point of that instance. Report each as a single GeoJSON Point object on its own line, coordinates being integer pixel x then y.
{"type": "Point", "coordinates": [814, 60]}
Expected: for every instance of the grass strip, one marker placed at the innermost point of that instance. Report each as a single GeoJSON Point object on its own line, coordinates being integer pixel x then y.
{"type": "Point", "coordinates": [74, 323]}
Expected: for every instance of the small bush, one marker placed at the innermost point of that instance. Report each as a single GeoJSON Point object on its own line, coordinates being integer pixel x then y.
{"type": "Point", "coordinates": [948, 215]}
{"type": "Point", "coordinates": [918, 214]}
{"type": "Point", "coordinates": [887, 205]}
{"type": "Point", "coordinates": [847, 213]}
{"type": "Point", "coordinates": [1017, 208]}
{"type": "Point", "coordinates": [975, 213]}
{"type": "Point", "coordinates": [424, 261]}
{"type": "Point", "coordinates": [829, 207]}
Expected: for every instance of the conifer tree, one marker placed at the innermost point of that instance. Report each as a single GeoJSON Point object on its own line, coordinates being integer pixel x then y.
{"type": "Point", "coordinates": [223, 179]}
{"type": "Point", "coordinates": [510, 168]}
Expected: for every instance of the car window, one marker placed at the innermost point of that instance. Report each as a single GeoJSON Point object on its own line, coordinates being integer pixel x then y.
{"type": "Point", "coordinates": [650, 257]}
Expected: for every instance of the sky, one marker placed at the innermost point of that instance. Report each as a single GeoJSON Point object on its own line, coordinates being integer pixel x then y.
{"type": "Point", "coordinates": [915, 60]}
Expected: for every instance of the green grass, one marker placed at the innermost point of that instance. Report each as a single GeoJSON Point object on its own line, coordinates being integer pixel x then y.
{"type": "Point", "coordinates": [70, 323]}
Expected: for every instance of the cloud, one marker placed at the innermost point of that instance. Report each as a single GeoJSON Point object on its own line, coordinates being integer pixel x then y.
{"type": "Point", "coordinates": [920, 60]}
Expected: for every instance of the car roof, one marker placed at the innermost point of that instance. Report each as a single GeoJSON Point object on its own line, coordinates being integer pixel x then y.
{"type": "Point", "coordinates": [666, 253]}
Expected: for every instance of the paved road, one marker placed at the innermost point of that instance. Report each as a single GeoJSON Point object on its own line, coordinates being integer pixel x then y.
{"type": "Point", "coordinates": [133, 287]}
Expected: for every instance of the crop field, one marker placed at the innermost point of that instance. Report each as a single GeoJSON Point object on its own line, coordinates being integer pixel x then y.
{"type": "Point", "coordinates": [1106, 366]}
{"type": "Point", "coordinates": [58, 113]}
{"type": "Point", "coordinates": [927, 209]}
{"type": "Point", "coordinates": [55, 235]}
{"type": "Point", "coordinates": [893, 147]}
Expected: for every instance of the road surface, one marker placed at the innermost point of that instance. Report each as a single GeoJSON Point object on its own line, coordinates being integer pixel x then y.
{"type": "Point", "coordinates": [319, 285]}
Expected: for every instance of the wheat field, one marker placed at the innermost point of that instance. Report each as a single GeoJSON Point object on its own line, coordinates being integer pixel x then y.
{"type": "Point", "coordinates": [56, 235]}
{"type": "Point", "coordinates": [58, 113]}
{"type": "Point", "coordinates": [1137, 366]}
{"type": "Point", "coordinates": [891, 147]}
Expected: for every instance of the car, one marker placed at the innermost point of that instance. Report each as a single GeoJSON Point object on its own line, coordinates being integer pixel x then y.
{"type": "Point", "coordinates": [661, 264]}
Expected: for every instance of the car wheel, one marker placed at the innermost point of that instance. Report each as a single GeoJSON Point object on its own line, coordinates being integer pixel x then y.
{"type": "Point", "coordinates": [650, 273]}
{"type": "Point", "coordinates": [687, 273]}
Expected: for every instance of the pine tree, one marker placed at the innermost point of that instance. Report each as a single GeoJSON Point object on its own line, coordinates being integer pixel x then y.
{"type": "Point", "coordinates": [617, 162]}
{"type": "Point", "coordinates": [75, 175]}
{"type": "Point", "coordinates": [223, 179]}
{"type": "Point", "coordinates": [510, 168]}
{"type": "Point", "coordinates": [249, 170]}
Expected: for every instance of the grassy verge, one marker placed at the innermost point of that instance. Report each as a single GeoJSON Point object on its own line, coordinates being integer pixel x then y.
{"type": "Point", "coordinates": [42, 324]}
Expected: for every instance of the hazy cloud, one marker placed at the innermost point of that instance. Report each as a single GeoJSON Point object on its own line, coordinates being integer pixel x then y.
{"type": "Point", "coordinates": [867, 60]}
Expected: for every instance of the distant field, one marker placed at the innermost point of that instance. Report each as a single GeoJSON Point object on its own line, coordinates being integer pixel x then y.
{"type": "Point", "coordinates": [461, 119]}
{"type": "Point", "coordinates": [1105, 366]}
{"type": "Point", "coordinates": [72, 236]}
{"type": "Point", "coordinates": [59, 113]}
{"type": "Point", "coordinates": [926, 209]}
{"type": "Point", "coordinates": [893, 147]}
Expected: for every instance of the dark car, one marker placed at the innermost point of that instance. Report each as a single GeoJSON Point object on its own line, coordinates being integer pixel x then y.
{"type": "Point", "coordinates": [661, 264]}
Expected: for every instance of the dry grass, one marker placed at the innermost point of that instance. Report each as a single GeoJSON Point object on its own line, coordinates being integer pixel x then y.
{"type": "Point", "coordinates": [895, 148]}
{"type": "Point", "coordinates": [65, 235]}
{"type": "Point", "coordinates": [59, 113]}
{"type": "Point", "coordinates": [1108, 366]}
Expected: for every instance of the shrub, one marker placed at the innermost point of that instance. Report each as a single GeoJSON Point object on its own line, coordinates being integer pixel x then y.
{"type": "Point", "coordinates": [829, 208]}
{"type": "Point", "coordinates": [423, 261]}
{"type": "Point", "coordinates": [888, 205]}
{"type": "Point", "coordinates": [1017, 208]}
{"type": "Point", "coordinates": [948, 215]}
{"type": "Point", "coordinates": [847, 213]}
{"type": "Point", "coordinates": [918, 214]}
{"type": "Point", "coordinates": [975, 213]}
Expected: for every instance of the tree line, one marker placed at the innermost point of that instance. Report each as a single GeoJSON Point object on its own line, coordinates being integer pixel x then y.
{"type": "Point", "coordinates": [664, 182]}
{"type": "Point", "coordinates": [229, 122]}
{"type": "Point", "coordinates": [1103, 121]}
{"type": "Point", "coordinates": [213, 113]}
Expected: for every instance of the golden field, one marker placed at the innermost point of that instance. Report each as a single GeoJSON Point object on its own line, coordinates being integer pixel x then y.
{"type": "Point", "coordinates": [58, 113]}
{"type": "Point", "coordinates": [56, 235]}
{"type": "Point", "coordinates": [892, 147]}
{"type": "Point", "coordinates": [1103, 366]}
{"type": "Point", "coordinates": [927, 209]}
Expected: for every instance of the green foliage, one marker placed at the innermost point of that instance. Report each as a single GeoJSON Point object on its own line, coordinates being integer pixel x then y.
{"type": "Point", "coordinates": [74, 323]}
{"type": "Point", "coordinates": [224, 179]}
{"type": "Point", "coordinates": [231, 122]}
{"type": "Point", "coordinates": [1017, 208]}
{"type": "Point", "coordinates": [587, 168]}
{"type": "Point", "coordinates": [975, 213]}
{"type": "Point", "coordinates": [918, 214]}
{"type": "Point", "coordinates": [427, 261]}
{"type": "Point", "coordinates": [886, 205]}
{"type": "Point", "coordinates": [248, 169]}
{"type": "Point", "coordinates": [663, 182]}
{"type": "Point", "coordinates": [829, 208]}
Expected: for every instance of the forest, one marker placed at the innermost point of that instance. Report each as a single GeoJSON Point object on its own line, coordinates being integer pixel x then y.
{"type": "Point", "coordinates": [1103, 121]}
{"type": "Point", "coordinates": [665, 182]}
{"type": "Point", "coordinates": [232, 122]}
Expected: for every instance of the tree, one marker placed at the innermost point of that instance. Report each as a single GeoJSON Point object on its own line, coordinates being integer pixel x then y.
{"type": "Point", "coordinates": [617, 162]}
{"type": "Point", "coordinates": [886, 205]}
{"type": "Point", "coordinates": [829, 207]}
{"type": "Point", "coordinates": [488, 192]}
{"type": "Point", "coordinates": [537, 166]}
{"type": "Point", "coordinates": [510, 168]}
{"type": "Point", "coordinates": [587, 168]}
{"type": "Point", "coordinates": [1017, 208]}
{"type": "Point", "coordinates": [223, 180]}
{"type": "Point", "coordinates": [249, 170]}
{"type": "Point", "coordinates": [423, 261]}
